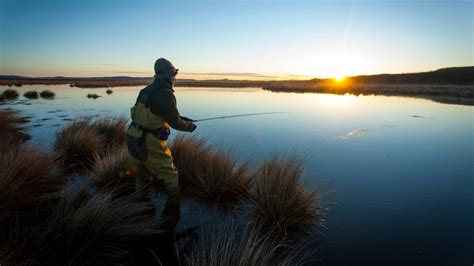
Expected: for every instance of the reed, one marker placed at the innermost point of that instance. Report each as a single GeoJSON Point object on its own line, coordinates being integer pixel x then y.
{"type": "Point", "coordinates": [10, 94]}
{"type": "Point", "coordinates": [280, 201]}
{"type": "Point", "coordinates": [207, 174]}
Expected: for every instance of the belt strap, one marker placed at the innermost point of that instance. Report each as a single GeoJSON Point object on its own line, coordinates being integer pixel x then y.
{"type": "Point", "coordinates": [161, 133]}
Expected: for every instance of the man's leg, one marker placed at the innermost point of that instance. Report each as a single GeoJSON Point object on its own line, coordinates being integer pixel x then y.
{"type": "Point", "coordinates": [160, 164]}
{"type": "Point", "coordinates": [143, 179]}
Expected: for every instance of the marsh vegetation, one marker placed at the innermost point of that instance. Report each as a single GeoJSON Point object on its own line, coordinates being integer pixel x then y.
{"type": "Point", "coordinates": [77, 205]}
{"type": "Point", "coordinates": [450, 85]}
{"type": "Point", "coordinates": [47, 94]}
{"type": "Point", "coordinates": [31, 94]}
{"type": "Point", "coordinates": [10, 94]}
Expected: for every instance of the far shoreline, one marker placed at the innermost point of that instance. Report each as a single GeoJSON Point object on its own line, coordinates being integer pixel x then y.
{"type": "Point", "coordinates": [453, 85]}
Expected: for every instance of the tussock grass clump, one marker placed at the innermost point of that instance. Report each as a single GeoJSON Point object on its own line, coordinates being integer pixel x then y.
{"type": "Point", "coordinates": [47, 94]}
{"type": "Point", "coordinates": [96, 229]}
{"type": "Point", "coordinates": [76, 146]}
{"type": "Point", "coordinates": [112, 130]}
{"type": "Point", "coordinates": [16, 245]}
{"type": "Point", "coordinates": [31, 94]}
{"type": "Point", "coordinates": [11, 130]}
{"type": "Point", "coordinates": [26, 183]}
{"type": "Point", "coordinates": [109, 91]}
{"type": "Point", "coordinates": [279, 200]}
{"type": "Point", "coordinates": [227, 244]}
{"type": "Point", "coordinates": [10, 94]}
{"type": "Point", "coordinates": [207, 174]}
{"type": "Point", "coordinates": [110, 170]}
{"type": "Point", "coordinates": [93, 96]}
{"type": "Point", "coordinates": [82, 141]}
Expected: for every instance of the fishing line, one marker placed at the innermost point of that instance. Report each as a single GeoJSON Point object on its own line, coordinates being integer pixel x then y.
{"type": "Point", "coordinates": [233, 116]}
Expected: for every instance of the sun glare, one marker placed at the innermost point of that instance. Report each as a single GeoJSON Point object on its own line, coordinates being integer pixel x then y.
{"type": "Point", "coordinates": [339, 78]}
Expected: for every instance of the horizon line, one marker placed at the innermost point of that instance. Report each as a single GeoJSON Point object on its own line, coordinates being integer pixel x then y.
{"type": "Point", "coordinates": [227, 75]}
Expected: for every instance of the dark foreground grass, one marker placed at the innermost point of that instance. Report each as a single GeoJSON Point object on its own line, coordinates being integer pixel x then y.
{"type": "Point", "coordinates": [281, 202]}
{"type": "Point", "coordinates": [228, 244]}
{"type": "Point", "coordinates": [96, 229]}
{"type": "Point", "coordinates": [86, 229]}
{"type": "Point", "coordinates": [12, 129]}
{"type": "Point", "coordinates": [209, 174]}
{"type": "Point", "coordinates": [27, 185]}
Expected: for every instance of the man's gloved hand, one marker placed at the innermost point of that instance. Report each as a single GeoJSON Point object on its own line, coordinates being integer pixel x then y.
{"type": "Point", "coordinates": [194, 127]}
{"type": "Point", "coordinates": [186, 119]}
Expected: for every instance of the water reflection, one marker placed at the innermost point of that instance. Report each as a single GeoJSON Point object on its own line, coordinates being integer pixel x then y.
{"type": "Point", "coordinates": [362, 132]}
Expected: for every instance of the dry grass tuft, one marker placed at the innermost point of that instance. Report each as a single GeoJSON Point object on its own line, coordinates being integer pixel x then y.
{"type": "Point", "coordinates": [209, 175]}
{"type": "Point", "coordinates": [47, 94]}
{"type": "Point", "coordinates": [280, 201]}
{"type": "Point", "coordinates": [113, 132]}
{"type": "Point", "coordinates": [31, 94]}
{"type": "Point", "coordinates": [82, 141]}
{"type": "Point", "coordinates": [227, 244]}
{"type": "Point", "coordinates": [10, 94]}
{"type": "Point", "coordinates": [110, 170]}
{"type": "Point", "coordinates": [76, 146]}
{"type": "Point", "coordinates": [96, 229]}
{"type": "Point", "coordinates": [16, 245]}
{"type": "Point", "coordinates": [10, 129]}
{"type": "Point", "coordinates": [27, 183]}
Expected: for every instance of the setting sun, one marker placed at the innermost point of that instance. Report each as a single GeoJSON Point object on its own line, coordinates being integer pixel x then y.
{"type": "Point", "coordinates": [339, 78]}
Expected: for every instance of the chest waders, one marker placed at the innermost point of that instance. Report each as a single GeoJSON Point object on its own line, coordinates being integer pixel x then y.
{"type": "Point", "coordinates": [150, 159]}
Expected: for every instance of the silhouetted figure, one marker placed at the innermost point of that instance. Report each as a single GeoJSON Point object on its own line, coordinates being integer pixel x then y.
{"type": "Point", "coordinates": [154, 112]}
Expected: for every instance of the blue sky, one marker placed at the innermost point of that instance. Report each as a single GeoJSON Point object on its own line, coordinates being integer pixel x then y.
{"type": "Point", "coordinates": [233, 38]}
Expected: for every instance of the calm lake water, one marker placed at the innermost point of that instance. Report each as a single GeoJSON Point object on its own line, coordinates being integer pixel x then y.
{"type": "Point", "coordinates": [400, 169]}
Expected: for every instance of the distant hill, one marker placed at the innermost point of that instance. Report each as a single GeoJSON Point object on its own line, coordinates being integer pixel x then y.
{"type": "Point", "coordinates": [452, 75]}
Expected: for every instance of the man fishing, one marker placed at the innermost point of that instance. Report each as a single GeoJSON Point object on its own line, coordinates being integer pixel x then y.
{"type": "Point", "coordinates": [154, 112]}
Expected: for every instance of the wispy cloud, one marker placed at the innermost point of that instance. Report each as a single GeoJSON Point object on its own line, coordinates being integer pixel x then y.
{"type": "Point", "coordinates": [240, 75]}
{"type": "Point", "coordinates": [231, 74]}
{"type": "Point", "coordinates": [133, 72]}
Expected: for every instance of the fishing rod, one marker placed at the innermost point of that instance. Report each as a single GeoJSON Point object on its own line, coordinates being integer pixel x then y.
{"type": "Point", "coordinates": [233, 116]}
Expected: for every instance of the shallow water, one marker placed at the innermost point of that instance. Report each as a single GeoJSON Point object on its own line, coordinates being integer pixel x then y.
{"type": "Point", "coordinates": [400, 169]}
